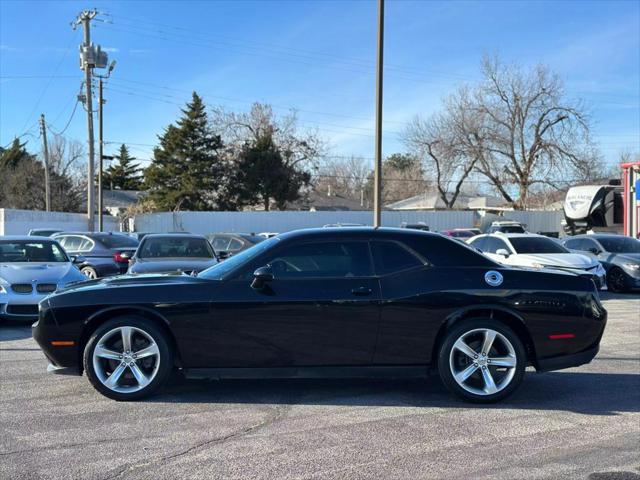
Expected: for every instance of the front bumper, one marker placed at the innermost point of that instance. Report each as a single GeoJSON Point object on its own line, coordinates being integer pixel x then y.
{"type": "Point", "coordinates": [19, 307]}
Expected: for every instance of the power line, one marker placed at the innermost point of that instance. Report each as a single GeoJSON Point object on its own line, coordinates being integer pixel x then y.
{"type": "Point", "coordinates": [68, 122]}
{"type": "Point", "coordinates": [51, 77]}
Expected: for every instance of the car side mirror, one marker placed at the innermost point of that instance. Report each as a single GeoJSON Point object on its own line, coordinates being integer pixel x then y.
{"type": "Point", "coordinates": [593, 250]}
{"type": "Point", "coordinates": [261, 277]}
{"type": "Point", "coordinates": [77, 259]}
{"type": "Point", "coordinates": [503, 252]}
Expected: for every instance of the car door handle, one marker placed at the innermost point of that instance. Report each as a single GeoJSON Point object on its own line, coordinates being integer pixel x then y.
{"type": "Point", "coordinates": [361, 291]}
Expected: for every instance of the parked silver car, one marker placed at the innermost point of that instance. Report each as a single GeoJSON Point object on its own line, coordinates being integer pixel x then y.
{"type": "Point", "coordinates": [30, 269]}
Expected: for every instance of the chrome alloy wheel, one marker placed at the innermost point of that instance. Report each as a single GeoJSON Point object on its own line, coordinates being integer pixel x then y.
{"type": "Point", "coordinates": [126, 359]}
{"type": "Point", "coordinates": [482, 361]}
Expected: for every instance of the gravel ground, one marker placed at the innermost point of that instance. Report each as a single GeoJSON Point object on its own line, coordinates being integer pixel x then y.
{"type": "Point", "coordinates": [582, 423]}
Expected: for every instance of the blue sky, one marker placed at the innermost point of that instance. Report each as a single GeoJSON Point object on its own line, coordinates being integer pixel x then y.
{"type": "Point", "coordinates": [315, 56]}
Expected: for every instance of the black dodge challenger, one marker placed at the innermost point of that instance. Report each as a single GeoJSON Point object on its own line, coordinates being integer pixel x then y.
{"type": "Point", "coordinates": [327, 302]}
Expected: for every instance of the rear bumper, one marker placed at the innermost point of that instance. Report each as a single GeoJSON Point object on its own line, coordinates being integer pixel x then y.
{"type": "Point", "coordinates": [567, 361]}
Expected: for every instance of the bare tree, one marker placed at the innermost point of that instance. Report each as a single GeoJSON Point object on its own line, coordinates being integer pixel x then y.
{"type": "Point", "coordinates": [442, 142]}
{"type": "Point", "coordinates": [343, 176]}
{"type": "Point", "coordinates": [530, 133]}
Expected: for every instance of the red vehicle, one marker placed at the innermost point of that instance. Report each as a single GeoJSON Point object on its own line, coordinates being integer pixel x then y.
{"type": "Point", "coordinates": [462, 233]}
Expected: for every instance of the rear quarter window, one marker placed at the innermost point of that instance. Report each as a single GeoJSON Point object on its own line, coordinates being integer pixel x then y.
{"type": "Point", "coordinates": [444, 252]}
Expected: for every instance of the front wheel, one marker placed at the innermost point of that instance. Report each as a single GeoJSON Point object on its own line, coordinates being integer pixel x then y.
{"type": "Point", "coordinates": [128, 358]}
{"type": "Point", "coordinates": [89, 272]}
{"type": "Point", "coordinates": [616, 280]}
{"type": "Point", "coordinates": [482, 361]}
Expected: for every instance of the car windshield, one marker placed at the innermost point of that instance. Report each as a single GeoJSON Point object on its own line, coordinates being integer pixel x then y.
{"type": "Point", "coordinates": [22, 251]}
{"type": "Point", "coordinates": [509, 229]}
{"type": "Point", "coordinates": [620, 245]}
{"type": "Point", "coordinates": [175, 247]}
{"type": "Point", "coordinates": [221, 269]}
{"type": "Point", "coordinates": [117, 241]}
{"type": "Point", "coordinates": [536, 245]}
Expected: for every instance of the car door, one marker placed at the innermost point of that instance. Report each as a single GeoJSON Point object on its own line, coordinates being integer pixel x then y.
{"type": "Point", "coordinates": [321, 309]}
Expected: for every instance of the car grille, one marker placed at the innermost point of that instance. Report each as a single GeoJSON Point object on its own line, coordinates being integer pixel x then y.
{"type": "Point", "coordinates": [22, 287]}
{"type": "Point", "coordinates": [46, 287]}
{"type": "Point", "coordinates": [22, 309]}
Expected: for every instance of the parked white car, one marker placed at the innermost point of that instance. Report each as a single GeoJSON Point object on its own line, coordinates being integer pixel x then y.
{"type": "Point", "coordinates": [537, 251]}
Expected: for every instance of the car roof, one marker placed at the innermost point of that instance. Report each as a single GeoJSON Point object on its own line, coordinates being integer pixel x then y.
{"type": "Point", "coordinates": [91, 234]}
{"type": "Point", "coordinates": [26, 238]}
{"type": "Point", "coordinates": [173, 235]}
{"type": "Point", "coordinates": [364, 232]}
{"type": "Point", "coordinates": [597, 236]}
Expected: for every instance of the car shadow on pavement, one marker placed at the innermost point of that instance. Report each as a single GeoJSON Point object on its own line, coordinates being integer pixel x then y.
{"type": "Point", "coordinates": [586, 393]}
{"type": "Point", "coordinates": [10, 331]}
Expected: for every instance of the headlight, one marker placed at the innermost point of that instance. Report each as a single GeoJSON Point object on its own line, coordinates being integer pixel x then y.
{"type": "Point", "coordinates": [632, 266]}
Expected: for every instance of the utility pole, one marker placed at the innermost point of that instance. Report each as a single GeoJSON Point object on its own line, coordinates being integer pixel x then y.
{"type": "Point", "coordinates": [100, 147]}
{"type": "Point", "coordinates": [377, 172]}
{"type": "Point", "coordinates": [87, 63]}
{"type": "Point", "coordinates": [45, 151]}
{"type": "Point", "coordinates": [102, 157]}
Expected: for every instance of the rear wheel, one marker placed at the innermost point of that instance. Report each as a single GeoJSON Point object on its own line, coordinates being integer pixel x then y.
{"type": "Point", "coordinates": [89, 272]}
{"type": "Point", "coordinates": [482, 361]}
{"type": "Point", "coordinates": [128, 358]}
{"type": "Point", "coordinates": [616, 280]}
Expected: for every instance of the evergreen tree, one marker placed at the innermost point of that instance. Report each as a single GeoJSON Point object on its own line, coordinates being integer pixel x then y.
{"type": "Point", "coordinates": [187, 170]}
{"type": "Point", "coordinates": [262, 175]}
{"type": "Point", "coordinates": [11, 157]}
{"type": "Point", "coordinates": [125, 175]}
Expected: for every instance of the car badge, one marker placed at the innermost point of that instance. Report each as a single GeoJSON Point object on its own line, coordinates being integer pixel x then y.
{"type": "Point", "coordinates": [493, 278]}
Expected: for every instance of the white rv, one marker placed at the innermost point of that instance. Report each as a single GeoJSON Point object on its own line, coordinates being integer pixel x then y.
{"type": "Point", "coordinates": [593, 208]}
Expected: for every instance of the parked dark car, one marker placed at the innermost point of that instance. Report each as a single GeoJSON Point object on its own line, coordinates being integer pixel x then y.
{"type": "Point", "coordinates": [227, 244]}
{"type": "Point", "coordinates": [168, 253]}
{"type": "Point", "coordinates": [99, 254]}
{"type": "Point", "coordinates": [415, 226]}
{"type": "Point", "coordinates": [43, 232]}
{"type": "Point", "coordinates": [327, 302]}
{"type": "Point", "coordinates": [461, 233]}
{"type": "Point", "coordinates": [620, 256]}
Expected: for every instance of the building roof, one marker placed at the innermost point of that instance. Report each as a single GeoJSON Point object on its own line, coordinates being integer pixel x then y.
{"type": "Point", "coordinates": [319, 201]}
{"type": "Point", "coordinates": [432, 201]}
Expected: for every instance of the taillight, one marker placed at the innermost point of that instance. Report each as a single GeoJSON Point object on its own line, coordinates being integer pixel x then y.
{"type": "Point", "coordinates": [121, 257]}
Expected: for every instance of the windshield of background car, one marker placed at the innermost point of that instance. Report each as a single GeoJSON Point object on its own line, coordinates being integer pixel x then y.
{"type": "Point", "coordinates": [620, 245]}
{"type": "Point", "coordinates": [117, 241]}
{"type": "Point", "coordinates": [536, 245]}
{"type": "Point", "coordinates": [175, 247]}
{"type": "Point", "coordinates": [16, 251]}
{"type": "Point", "coordinates": [221, 269]}
{"type": "Point", "coordinates": [462, 234]}
{"type": "Point", "coordinates": [510, 229]}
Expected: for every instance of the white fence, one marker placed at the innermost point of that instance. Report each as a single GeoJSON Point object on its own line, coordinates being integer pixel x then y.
{"type": "Point", "coordinates": [209, 222]}
{"type": "Point", "coordinates": [19, 222]}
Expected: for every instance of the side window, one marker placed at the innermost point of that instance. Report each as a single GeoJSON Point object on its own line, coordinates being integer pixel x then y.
{"type": "Point", "coordinates": [220, 243]}
{"type": "Point", "coordinates": [479, 243]}
{"type": "Point", "coordinates": [235, 245]}
{"type": "Point", "coordinates": [575, 244]}
{"type": "Point", "coordinates": [494, 244]}
{"type": "Point", "coordinates": [62, 241]}
{"type": "Point", "coordinates": [326, 259]}
{"type": "Point", "coordinates": [72, 243]}
{"type": "Point", "coordinates": [85, 245]}
{"type": "Point", "coordinates": [390, 257]}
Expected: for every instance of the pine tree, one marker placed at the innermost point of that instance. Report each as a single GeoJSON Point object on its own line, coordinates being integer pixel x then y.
{"type": "Point", "coordinates": [262, 175]}
{"type": "Point", "coordinates": [187, 170]}
{"type": "Point", "coordinates": [125, 175]}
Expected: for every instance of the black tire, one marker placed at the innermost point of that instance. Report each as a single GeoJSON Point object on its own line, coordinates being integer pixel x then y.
{"type": "Point", "coordinates": [164, 358]}
{"type": "Point", "coordinates": [466, 327]}
{"type": "Point", "coordinates": [617, 280]}
{"type": "Point", "coordinates": [89, 272]}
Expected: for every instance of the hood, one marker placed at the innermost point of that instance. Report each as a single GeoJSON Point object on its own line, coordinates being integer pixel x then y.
{"type": "Point", "coordinates": [40, 272]}
{"type": "Point", "coordinates": [625, 257]}
{"type": "Point", "coordinates": [145, 280]}
{"type": "Point", "coordinates": [562, 260]}
{"type": "Point", "coordinates": [171, 265]}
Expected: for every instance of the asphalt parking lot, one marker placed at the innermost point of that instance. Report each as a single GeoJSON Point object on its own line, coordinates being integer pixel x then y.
{"type": "Point", "coordinates": [582, 423]}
